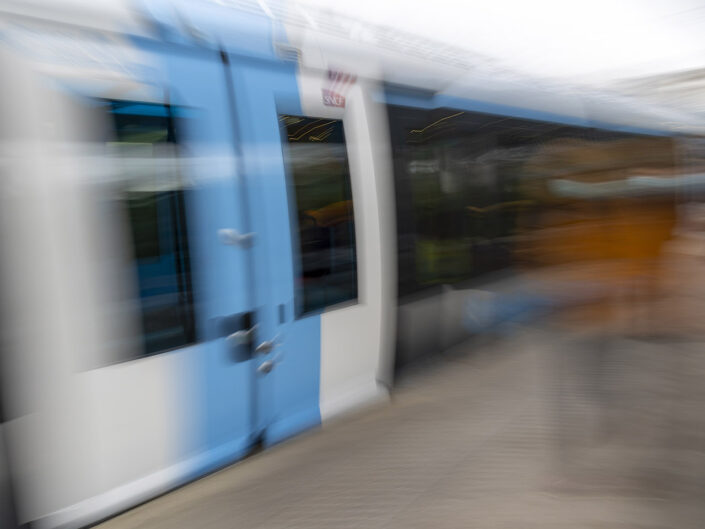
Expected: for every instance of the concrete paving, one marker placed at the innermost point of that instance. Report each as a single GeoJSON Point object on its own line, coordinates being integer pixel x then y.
{"type": "Point", "coordinates": [537, 429]}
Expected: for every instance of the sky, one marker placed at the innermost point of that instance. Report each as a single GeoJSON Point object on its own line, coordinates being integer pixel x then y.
{"type": "Point", "coordinates": [586, 41]}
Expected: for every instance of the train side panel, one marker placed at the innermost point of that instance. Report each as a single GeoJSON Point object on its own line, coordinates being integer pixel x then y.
{"type": "Point", "coordinates": [357, 340]}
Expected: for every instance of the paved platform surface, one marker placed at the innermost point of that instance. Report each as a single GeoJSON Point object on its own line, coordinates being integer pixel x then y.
{"type": "Point", "coordinates": [538, 429]}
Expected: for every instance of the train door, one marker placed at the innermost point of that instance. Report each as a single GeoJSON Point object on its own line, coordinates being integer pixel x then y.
{"type": "Point", "coordinates": [287, 349]}
{"type": "Point", "coordinates": [260, 364]}
{"type": "Point", "coordinates": [224, 405]}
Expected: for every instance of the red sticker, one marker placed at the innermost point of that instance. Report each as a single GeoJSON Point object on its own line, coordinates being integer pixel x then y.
{"type": "Point", "coordinates": [339, 84]}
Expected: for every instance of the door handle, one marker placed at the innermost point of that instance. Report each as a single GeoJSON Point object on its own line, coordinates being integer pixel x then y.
{"type": "Point", "coordinates": [239, 332]}
{"type": "Point", "coordinates": [243, 336]}
{"type": "Point", "coordinates": [266, 367]}
{"type": "Point", "coordinates": [232, 237]}
{"type": "Point", "coordinates": [267, 346]}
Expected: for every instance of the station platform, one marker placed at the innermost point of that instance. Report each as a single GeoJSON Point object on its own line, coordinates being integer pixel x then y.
{"type": "Point", "coordinates": [537, 428]}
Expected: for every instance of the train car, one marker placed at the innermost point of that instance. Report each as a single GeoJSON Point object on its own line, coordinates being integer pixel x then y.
{"type": "Point", "coordinates": [208, 210]}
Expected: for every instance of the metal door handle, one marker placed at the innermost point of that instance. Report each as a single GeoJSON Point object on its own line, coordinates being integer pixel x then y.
{"type": "Point", "coordinates": [267, 346]}
{"type": "Point", "coordinates": [237, 330]}
{"type": "Point", "coordinates": [232, 237]}
{"type": "Point", "coordinates": [243, 336]}
{"type": "Point", "coordinates": [266, 367]}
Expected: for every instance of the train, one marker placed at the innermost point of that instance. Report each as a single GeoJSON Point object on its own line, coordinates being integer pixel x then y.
{"type": "Point", "coordinates": [225, 222]}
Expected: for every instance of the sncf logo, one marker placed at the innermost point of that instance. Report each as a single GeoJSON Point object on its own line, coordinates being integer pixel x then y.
{"type": "Point", "coordinates": [338, 85]}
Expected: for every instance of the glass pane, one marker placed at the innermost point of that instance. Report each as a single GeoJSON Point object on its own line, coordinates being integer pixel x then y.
{"type": "Point", "coordinates": [478, 193]}
{"type": "Point", "coordinates": [317, 159]}
{"type": "Point", "coordinates": [151, 193]}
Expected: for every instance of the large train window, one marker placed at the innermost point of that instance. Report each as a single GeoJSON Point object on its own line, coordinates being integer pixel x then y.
{"type": "Point", "coordinates": [478, 193]}
{"type": "Point", "coordinates": [316, 156]}
{"type": "Point", "coordinates": [458, 193]}
{"type": "Point", "coordinates": [151, 193]}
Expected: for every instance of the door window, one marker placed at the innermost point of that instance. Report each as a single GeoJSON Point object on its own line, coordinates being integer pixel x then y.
{"type": "Point", "coordinates": [316, 155]}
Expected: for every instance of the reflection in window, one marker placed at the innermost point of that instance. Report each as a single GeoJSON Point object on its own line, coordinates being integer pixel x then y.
{"type": "Point", "coordinates": [316, 155]}
{"type": "Point", "coordinates": [151, 193]}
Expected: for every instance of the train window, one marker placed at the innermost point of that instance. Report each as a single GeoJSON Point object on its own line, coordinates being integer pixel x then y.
{"type": "Point", "coordinates": [458, 194]}
{"type": "Point", "coordinates": [478, 193]}
{"type": "Point", "coordinates": [316, 156]}
{"type": "Point", "coordinates": [151, 193]}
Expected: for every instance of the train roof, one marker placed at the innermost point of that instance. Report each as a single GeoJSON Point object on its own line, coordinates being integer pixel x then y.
{"type": "Point", "coordinates": [320, 40]}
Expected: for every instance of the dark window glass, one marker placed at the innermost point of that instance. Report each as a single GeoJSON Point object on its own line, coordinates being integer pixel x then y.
{"type": "Point", "coordinates": [317, 159]}
{"type": "Point", "coordinates": [478, 193]}
{"type": "Point", "coordinates": [152, 195]}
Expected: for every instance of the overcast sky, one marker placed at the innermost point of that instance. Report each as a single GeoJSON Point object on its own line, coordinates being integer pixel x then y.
{"type": "Point", "coordinates": [588, 40]}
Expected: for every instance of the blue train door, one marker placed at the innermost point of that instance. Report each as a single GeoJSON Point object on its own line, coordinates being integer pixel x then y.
{"type": "Point", "coordinates": [220, 400]}
{"type": "Point", "coordinates": [288, 346]}
{"type": "Point", "coordinates": [254, 376]}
